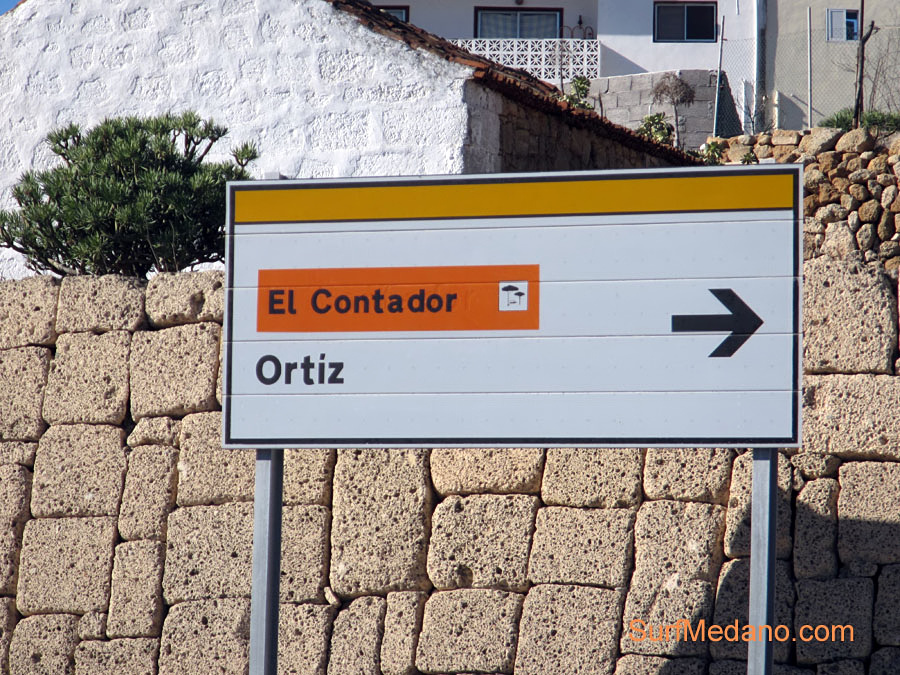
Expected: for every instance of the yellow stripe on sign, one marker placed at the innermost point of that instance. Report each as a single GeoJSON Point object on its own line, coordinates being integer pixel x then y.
{"type": "Point", "coordinates": [534, 198]}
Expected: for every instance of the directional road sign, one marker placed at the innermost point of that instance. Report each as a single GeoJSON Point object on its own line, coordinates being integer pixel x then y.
{"type": "Point", "coordinates": [588, 309]}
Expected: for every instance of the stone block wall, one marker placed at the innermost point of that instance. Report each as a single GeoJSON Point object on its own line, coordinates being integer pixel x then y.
{"type": "Point", "coordinates": [126, 530]}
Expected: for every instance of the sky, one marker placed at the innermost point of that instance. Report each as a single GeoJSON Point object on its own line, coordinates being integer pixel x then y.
{"type": "Point", "coordinates": [6, 5]}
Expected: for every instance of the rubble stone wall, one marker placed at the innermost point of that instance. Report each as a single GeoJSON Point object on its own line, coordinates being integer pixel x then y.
{"type": "Point", "coordinates": [126, 530]}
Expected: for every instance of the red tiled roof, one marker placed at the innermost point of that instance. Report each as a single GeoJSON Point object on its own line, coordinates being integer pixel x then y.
{"type": "Point", "coordinates": [511, 82]}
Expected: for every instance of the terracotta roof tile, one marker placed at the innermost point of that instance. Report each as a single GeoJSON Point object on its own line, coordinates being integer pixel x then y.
{"type": "Point", "coordinates": [511, 82]}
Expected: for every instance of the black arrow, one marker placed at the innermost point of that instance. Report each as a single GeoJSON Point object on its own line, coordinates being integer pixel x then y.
{"type": "Point", "coordinates": [742, 322]}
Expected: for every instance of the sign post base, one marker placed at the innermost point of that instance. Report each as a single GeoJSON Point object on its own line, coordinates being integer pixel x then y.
{"type": "Point", "coordinates": [763, 519]}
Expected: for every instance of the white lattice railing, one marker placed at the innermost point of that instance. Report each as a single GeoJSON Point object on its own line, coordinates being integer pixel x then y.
{"type": "Point", "coordinates": [542, 58]}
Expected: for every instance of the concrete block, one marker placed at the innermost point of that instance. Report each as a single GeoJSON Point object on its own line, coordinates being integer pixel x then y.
{"type": "Point", "coordinates": [15, 495]}
{"type": "Point", "coordinates": [598, 546]}
{"type": "Point", "coordinates": [28, 311]}
{"type": "Point", "coordinates": [869, 513]}
{"type": "Point", "coordinates": [207, 636]}
{"type": "Point", "coordinates": [815, 530]}
{"type": "Point", "coordinates": [155, 431]}
{"type": "Point", "coordinates": [886, 621]}
{"type": "Point", "coordinates": [835, 603]}
{"type": "Point", "coordinates": [569, 629]}
{"type": "Point", "coordinates": [209, 553]}
{"type": "Point", "coordinates": [187, 297]}
{"type": "Point", "coordinates": [92, 626]}
{"type": "Point", "coordinates": [88, 379]}
{"type": "Point", "coordinates": [469, 631]}
{"type": "Point", "coordinates": [465, 471]}
{"type": "Point", "coordinates": [849, 318]}
{"type": "Point", "coordinates": [307, 475]}
{"type": "Point", "coordinates": [304, 635]}
{"type": "Point", "coordinates": [135, 605]}
{"type": "Point", "coordinates": [678, 539]}
{"type": "Point", "coordinates": [654, 603]}
{"type": "Point", "coordinates": [207, 473]}
{"type": "Point", "coordinates": [8, 618]}
{"type": "Point", "coordinates": [851, 416]}
{"type": "Point", "coordinates": [356, 638]}
{"type": "Point", "coordinates": [885, 661]}
{"type": "Point", "coordinates": [737, 529]}
{"type": "Point", "coordinates": [17, 452]}
{"type": "Point", "coordinates": [44, 644]}
{"type": "Point", "coordinates": [591, 477]}
{"type": "Point", "coordinates": [633, 664]}
{"type": "Point", "coordinates": [135, 657]}
{"type": "Point", "coordinates": [78, 471]}
{"type": "Point", "coordinates": [100, 304]}
{"type": "Point", "coordinates": [23, 376]}
{"type": "Point", "coordinates": [481, 541]}
{"type": "Point", "coordinates": [733, 606]}
{"type": "Point", "coordinates": [380, 522]}
{"type": "Point", "coordinates": [173, 371]}
{"type": "Point", "coordinates": [688, 474]}
{"type": "Point", "coordinates": [66, 565]}
{"type": "Point", "coordinates": [402, 625]}
{"type": "Point", "coordinates": [149, 493]}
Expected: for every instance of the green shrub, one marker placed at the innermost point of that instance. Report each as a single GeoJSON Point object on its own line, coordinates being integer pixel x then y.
{"type": "Point", "coordinates": [875, 120]}
{"type": "Point", "coordinates": [132, 195]}
{"type": "Point", "coordinates": [578, 97]}
{"type": "Point", "coordinates": [655, 128]}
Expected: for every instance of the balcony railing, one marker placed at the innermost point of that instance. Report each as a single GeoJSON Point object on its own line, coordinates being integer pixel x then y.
{"type": "Point", "coordinates": [545, 59]}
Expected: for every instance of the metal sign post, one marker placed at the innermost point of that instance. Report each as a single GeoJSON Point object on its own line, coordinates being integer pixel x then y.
{"type": "Point", "coordinates": [763, 521]}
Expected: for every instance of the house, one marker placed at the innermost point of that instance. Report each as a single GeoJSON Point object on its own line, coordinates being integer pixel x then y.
{"type": "Point", "coordinates": [324, 88]}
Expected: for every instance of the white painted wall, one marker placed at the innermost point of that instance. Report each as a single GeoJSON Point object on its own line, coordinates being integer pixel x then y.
{"type": "Point", "coordinates": [320, 94]}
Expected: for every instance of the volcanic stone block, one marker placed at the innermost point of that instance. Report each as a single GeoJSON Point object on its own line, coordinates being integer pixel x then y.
{"type": "Point", "coordinates": [886, 622]}
{"type": "Point", "coordinates": [885, 661]}
{"type": "Point", "coordinates": [149, 493]}
{"type": "Point", "coordinates": [834, 603]}
{"type": "Point", "coordinates": [209, 474]}
{"type": "Point", "coordinates": [192, 297]}
{"type": "Point", "coordinates": [78, 471]}
{"type": "Point", "coordinates": [815, 530]}
{"type": "Point", "coordinates": [23, 375]}
{"type": "Point", "coordinates": [633, 664]}
{"type": "Point", "coordinates": [869, 513]}
{"type": "Point", "coordinates": [92, 626]}
{"type": "Point", "coordinates": [569, 629]}
{"type": "Point", "coordinates": [402, 625]}
{"type": "Point", "coordinates": [740, 668]}
{"type": "Point", "coordinates": [582, 546]}
{"type": "Point", "coordinates": [846, 667]}
{"type": "Point", "coordinates": [733, 606]}
{"type": "Point", "coordinates": [590, 477]}
{"type": "Point", "coordinates": [66, 565]}
{"type": "Point", "coordinates": [737, 530]}
{"type": "Point", "coordinates": [135, 657]}
{"type": "Point", "coordinates": [17, 452]}
{"type": "Point", "coordinates": [15, 494]}
{"type": "Point", "coordinates": [135, 606]}
{"type": "Point", "coordinates": [173, 371]}
{"type": "Point", "coordinates": [8, 618]}
{"type": "Point", "coordinates": [307, 475]}
{"type": "Point", "coordinates": [812, 466]}
{"type": "Point", "coordinates": [210, 550]}
{"type": "Point", "coordinates": [304, 634]}
{"type": "Point", "coordinates": [155, 431]}
{"type": "Point", "coordinates": [469, 631]}
{"type": "Point", "coordinates": [653, 604]}
{"type": "Point", "coordinates": [380, 521]}
{"type": "Point", "coordinates": [43, 644]}
{"type": "Point", "coordinates": [207, 636]}
{"type": "Point", "coordinates": [688, 474]}
{"type": "Point", "coordinates": [10, 547]}
{"type": "Point", "coordinates": [466, 471]}
{"type": "Point", "coordinates": [482, 541]}
{"type": "Point", "coordinates": [851, 416]}
{"type": "Point", "coordinates": [28, 312]}
{"type": "Point", "coordinates": [356, 639]}
{"type": "Point", "coordinates": [100, 304]}
{"type": "Point", "coordinates": [88, 380]}
{"type": "Point", "coordinates": [849, 318]}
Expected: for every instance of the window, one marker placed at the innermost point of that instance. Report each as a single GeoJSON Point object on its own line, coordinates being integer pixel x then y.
{"type": "Point", "coordinates": [522, 23]}
{"type": "Point", "coordinates": [843, 25]}
{"type": "Point", "coordinates": [684, 22]}
{"type": "Point", "coordinates": [397, 11]}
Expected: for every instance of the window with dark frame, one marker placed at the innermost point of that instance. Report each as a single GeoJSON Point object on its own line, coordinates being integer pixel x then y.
{"type": "Point", "coordinates": [494, 22]}
{"type": "Point", "coordinates": [397, 11]}
{"type": "Point", "coordinates": [843, 25]}
{"type": "Point", "coordinates": [684, 22]}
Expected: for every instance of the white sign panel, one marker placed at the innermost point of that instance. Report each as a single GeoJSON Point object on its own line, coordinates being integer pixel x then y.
{"type": "Point", "coordinates": [651, 308]}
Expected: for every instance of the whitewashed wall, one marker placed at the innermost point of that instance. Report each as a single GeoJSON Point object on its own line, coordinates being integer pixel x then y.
{"type": "Point", "coordinates": [320, 94]}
